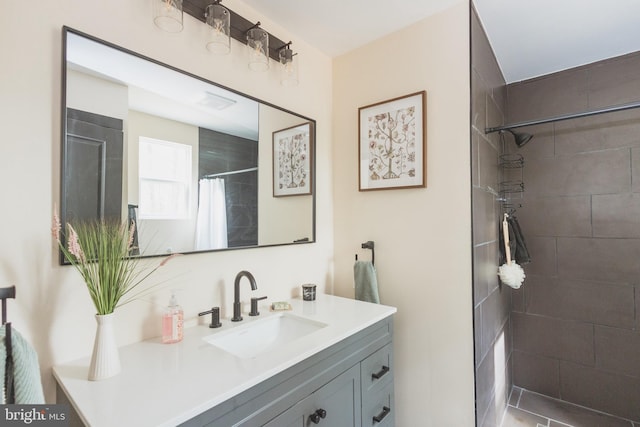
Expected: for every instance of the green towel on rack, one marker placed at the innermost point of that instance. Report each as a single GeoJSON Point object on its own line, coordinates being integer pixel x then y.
{"type": "Point", "coordinates": [26, 371]}
{"type": "Point", "coordinates": [366, 281]}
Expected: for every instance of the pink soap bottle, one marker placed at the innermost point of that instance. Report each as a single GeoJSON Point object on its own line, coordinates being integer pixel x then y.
{"type": "Point", "coordinates": [172, 321]}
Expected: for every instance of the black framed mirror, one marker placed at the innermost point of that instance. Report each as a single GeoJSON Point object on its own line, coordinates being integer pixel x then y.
{"type": "Point", "coordinates": [189, 161]}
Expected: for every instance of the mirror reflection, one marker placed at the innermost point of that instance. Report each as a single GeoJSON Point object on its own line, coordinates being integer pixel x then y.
{"type": "Point", "coordinates": [189, 161]}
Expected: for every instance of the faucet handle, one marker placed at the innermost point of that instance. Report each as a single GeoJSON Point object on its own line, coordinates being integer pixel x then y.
{"type": "Point", "coordinates": [254, 306]}
{"type": "Point", "coordinates": [215, 317]}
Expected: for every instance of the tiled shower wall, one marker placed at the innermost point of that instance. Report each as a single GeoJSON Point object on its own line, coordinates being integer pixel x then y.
{"type": "Point", "coordinates": [220, 152]}
{"type": "Point", "coordinates": [576, 320]}
{"type": "Point", "coordinates": [491, 302]}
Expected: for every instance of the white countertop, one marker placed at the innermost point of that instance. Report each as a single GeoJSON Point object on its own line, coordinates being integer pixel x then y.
{"type": "Point", "coordinates": [167, 384]}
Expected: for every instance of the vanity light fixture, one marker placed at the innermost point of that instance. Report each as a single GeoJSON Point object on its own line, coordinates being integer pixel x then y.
{"type": "Point", "coordinates": [218, 20]}
{"type": "Point", "coordinates": [289, 61]}
{"type": "Point", "coordinates": [258, 48]}
{"type": "Point", "coordinates": [167, 15]}
{"type": "Point", "coordinates": [223, 25]}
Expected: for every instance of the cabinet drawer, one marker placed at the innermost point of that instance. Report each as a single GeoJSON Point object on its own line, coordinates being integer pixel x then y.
{"type": "Point", "coordinates": [377, 370]}
{"type": "Point", "coordinates": [338, 402]}
{"type": "Point", "coordinates": [380, 410]}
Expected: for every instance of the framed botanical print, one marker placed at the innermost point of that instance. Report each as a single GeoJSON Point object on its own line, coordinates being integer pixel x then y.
{"type": "Point", "coordinates": [292, 160]}
{"type": "Point", "coordinates": [392, 143]}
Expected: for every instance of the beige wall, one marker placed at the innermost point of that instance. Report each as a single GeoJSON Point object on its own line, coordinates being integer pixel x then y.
{"type": "Point", "coordinates": [53, 309]}
{"type": "Point", "coordinates": [89, 93]}
{"type": "Point", "coordinates": [422, 236]}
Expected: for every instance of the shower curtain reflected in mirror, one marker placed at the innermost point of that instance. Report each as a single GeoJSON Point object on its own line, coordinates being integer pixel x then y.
{"type": "Point", "coordinates": [211, 222]}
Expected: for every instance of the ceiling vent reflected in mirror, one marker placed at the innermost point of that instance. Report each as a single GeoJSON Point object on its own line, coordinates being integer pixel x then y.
{"type": "Point", "coordinates": [216, 102]}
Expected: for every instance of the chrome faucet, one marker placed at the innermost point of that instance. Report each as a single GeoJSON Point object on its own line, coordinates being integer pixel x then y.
{"type": "Point", "coordinates": [236, 293]}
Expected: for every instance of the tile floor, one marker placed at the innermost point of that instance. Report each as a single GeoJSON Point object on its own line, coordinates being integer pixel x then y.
{"type": "Point", "coordinates": [528, 409]}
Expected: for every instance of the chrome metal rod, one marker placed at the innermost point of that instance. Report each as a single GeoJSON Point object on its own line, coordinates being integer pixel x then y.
{"type": "Point", "coordinates": [564, 117]}
{"type": "Point", "coordinates": [213, 175]}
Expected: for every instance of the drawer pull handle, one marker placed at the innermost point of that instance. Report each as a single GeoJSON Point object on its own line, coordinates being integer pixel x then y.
{"type": "Point", "coordinates": [378, 375]}
{"type": "Point", "coordinates": [316, 416]}
{"type": "Point", "coordinates": [385, 411]}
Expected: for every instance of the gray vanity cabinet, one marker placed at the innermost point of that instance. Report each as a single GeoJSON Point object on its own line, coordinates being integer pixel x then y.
{"type": "Point", "coordinates": [350, 384]}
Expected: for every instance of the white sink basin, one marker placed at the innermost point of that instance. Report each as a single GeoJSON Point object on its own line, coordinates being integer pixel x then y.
{"type": "Point", "coordinates": [261, 336]}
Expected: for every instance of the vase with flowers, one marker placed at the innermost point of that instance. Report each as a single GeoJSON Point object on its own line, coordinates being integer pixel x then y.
{"type": "Point", "coordinates": [100, 250]}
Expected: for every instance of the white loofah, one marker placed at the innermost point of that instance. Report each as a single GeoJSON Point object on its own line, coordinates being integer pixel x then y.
{"type": "Point", "coordinates": [511, 274]}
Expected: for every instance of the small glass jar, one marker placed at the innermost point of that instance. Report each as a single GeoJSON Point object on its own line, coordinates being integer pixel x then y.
{"type": "Point", "coordinates": [309, 292]}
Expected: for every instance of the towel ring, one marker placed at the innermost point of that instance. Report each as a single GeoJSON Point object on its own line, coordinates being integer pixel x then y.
{"type": "Point", "coordinates": [370, 245]}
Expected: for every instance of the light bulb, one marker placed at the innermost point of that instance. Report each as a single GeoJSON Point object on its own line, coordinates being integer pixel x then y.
{"type": "Point", "coordinates": [217, 26]}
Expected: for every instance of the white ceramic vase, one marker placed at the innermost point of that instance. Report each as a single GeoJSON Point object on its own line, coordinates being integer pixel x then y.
{"type": "Point", "coordinates": [105, 360]}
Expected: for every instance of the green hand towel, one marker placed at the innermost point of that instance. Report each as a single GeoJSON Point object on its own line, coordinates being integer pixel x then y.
{"type": "Point", "coordinates": [366, 282]}
{"type": "Point", "coordinates": [26, 371]}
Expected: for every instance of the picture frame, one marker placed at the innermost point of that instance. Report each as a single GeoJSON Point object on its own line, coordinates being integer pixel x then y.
{"type": "Point", "coordinates": [292, 150]}
{"type": "Point", "coordinates": [392, 143]}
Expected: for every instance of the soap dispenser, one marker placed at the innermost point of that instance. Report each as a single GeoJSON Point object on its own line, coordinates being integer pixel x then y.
{"type": "Point", "coordinates": [172, 321]}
